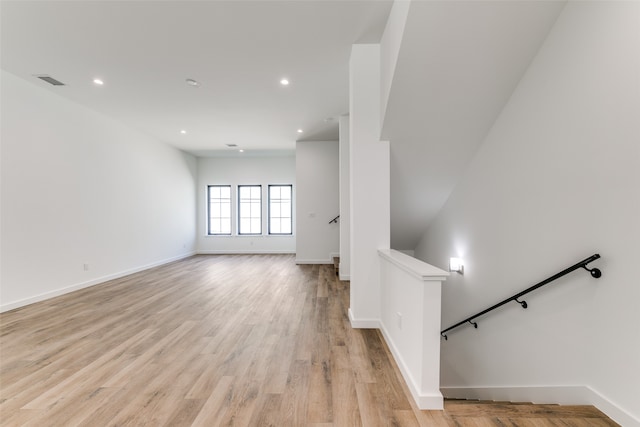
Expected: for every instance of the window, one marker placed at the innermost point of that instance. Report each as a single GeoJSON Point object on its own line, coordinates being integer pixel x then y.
{"type": "Point", "coordinates": [219, 209]}
{"type": "Point", "coordinates": [280, 209]}
{"type": "Point", "coordinates": [249, 209]}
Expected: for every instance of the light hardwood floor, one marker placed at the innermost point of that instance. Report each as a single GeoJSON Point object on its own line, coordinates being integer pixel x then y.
{"type": "Point", "coordinates": [219, 340]}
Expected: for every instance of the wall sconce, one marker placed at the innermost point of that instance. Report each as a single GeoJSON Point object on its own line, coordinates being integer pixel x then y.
{"type": "Point", "coordinates": [456, 265]}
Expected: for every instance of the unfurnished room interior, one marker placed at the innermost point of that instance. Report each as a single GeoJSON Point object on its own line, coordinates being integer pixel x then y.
{"type": "Point", "coordinates": [319, 213]}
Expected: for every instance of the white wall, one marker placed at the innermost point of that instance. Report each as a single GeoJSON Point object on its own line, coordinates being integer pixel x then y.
{"type": "Point", "coordinates": [370, 181]}
{"type": "Point", "coordinates": [410, 322]}
{"type": "Point", "coordinates": [345, 201]}
{"type": "Point", "coordinates": [318, 202]}
{"type": "Point", "coordinates": [244, 170]}
{"type": "Point", "coordinates": [555, 181]}
{"type": "Point", "coordinates": [79, 188]}
{"type": "Point", "coordinates": [390, 49]}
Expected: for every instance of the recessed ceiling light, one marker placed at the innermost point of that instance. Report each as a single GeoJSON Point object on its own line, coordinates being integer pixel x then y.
{"type": "Point", "coordinates": [183, 131]}
{"type": "Point", "coordinates": [192, 82]}
{"type": "Point", "coordinates": [284, 82]}
{"type": "Point", "coordinates": [299, 130]}
{"type": "Point", "coordinates": [99, 82]}
{"type": "Point", "coordinates": [241, 150]}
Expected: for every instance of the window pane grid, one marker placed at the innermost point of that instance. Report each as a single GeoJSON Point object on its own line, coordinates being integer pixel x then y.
{"type": "Point", "coordinates": [280, 211]}
{"type": "Point", "coordinates": [250, 209]}
{"type": "Point", "coordinates": [219, 209]}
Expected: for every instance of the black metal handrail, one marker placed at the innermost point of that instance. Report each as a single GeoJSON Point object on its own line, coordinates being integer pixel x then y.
{"type": "Point", "coordinates": [334, 220]}
{"type": "Point", "coordinates": [582, 264]}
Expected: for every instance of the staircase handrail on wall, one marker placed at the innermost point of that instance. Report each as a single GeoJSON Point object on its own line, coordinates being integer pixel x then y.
{"type": "Point", "coordinates": [582, 264]}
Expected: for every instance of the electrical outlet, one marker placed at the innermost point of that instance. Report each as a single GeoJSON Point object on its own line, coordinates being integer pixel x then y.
{"type": "Point", "coordinates": [85, 267]}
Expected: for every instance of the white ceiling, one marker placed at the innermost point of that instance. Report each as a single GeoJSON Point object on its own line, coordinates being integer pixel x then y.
{"type": "Point", "coordinates": [458, 65]}
{"type": "Point", "coordinates": [237, 50]}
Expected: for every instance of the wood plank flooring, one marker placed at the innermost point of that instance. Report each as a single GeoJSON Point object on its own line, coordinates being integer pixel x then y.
{"type": "Point", "coordinates": [220, 341]}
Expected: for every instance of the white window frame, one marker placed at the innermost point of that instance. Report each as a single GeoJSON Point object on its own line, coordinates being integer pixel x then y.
{"type": "Point", "coordinates": [221, 216]}
{"type": "Point", "coordinates": [280, 201]}
{"type": "Point", "coordinates": [254, 216]}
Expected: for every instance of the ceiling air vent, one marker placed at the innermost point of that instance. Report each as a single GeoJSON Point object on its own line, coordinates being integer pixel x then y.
{"type": "Point", "coordinates": [231, 145]}
{"type": "Point", "coordinates": [49, 80]}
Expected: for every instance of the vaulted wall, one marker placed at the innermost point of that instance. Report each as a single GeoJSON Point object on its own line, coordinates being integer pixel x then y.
{"type": "Point", "coordinates": [555, 180]}
{"type": "Point", "coordinates": [84, 198]}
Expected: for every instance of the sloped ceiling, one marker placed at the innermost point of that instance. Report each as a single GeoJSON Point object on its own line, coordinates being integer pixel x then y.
{"type": "Point", "coordinates": [459, 62]}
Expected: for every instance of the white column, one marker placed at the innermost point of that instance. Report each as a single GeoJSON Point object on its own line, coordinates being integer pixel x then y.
{"type": "Point", "coordinates": [369, 168]}
{"type": "Point", "coordinates": [345, 201]}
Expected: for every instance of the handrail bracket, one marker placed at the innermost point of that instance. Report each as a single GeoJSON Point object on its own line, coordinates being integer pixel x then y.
{"type": "Point", "coordinates": [595, 272]}
{"type": "Point", "coordinates": [522, 303]}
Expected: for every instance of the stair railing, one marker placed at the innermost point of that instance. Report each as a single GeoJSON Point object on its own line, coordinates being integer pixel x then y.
{"type": "Point", "coordinates": [595, 273]}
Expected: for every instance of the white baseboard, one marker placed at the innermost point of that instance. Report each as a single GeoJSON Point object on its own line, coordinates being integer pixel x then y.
{"type": "Point", "coordinates": [314, 261]}
{"type": "Point", "coordinates": [89, 283]}
{"type": "Point", "coordinates": [345, 277]}
{"type": "Point", "coordinates": [613, 411]}
{"type": "Point", "coordinates": [244, 252]}
{"type": "Point", "coordinates": [363, 323]}
{"type": "Point", "coordinates": [562, 395]}
{"type": "Point", "coordinates": [319, 261]}
{"type": "Point", "coordinates": [424, 401]}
